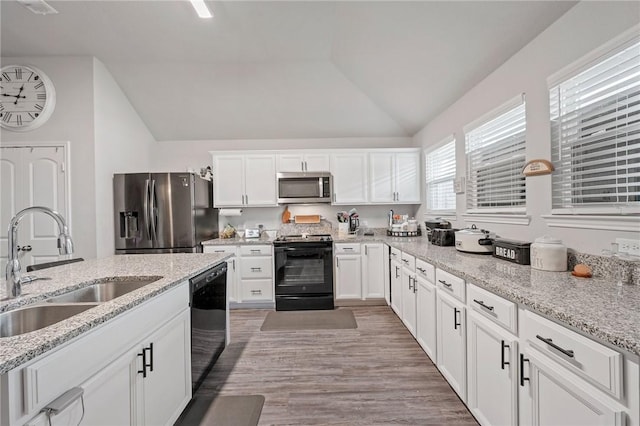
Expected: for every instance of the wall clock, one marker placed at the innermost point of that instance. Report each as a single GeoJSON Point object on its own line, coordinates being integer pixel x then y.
{"type": "Point", "coordinates": [27, 97]}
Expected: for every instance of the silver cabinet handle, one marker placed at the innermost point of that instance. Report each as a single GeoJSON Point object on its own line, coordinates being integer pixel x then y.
{"type": "Point", "coordinates": [337, 262]}
{"type": "Point", "coordinates": [549, 341]}
{"type": "Point", "coordinates": [234, 264]}
{"type": "Point", "coordinates": [302, 165]}
{"type": "Point", "coordinates": [255, 250]}
{"type": "Point", "coordinates": [397, 276]}
{"type": "Point", "coordinates": [256, 292]}
{"type": "Point", "coordinates": [445, 284]}
{"type": "Point", "coordinates": [348, 248]}
{"type": "Point", "coordinates": [256, 269]}
{"type": "Point", "coordinates": [366, 252]}
{"type": "Point", "coordinates": [481, 303]}
{"type": "Point", "coordinates": [334, 197]}
{"type": "Point", "coordinates": [421, 270]}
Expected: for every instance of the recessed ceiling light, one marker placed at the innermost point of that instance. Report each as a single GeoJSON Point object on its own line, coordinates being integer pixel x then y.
{"type": "Point", "coordinates": [201, 9]}
{"type": "Point", "coordinates": [39, 7]}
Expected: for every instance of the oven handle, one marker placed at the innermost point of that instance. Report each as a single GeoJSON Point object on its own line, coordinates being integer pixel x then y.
{"type": "Point", "coordinates": [303, 249]}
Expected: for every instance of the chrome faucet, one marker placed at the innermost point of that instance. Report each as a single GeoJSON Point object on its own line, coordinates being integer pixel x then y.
{"type": "Point", "coordinates": [13, 274]}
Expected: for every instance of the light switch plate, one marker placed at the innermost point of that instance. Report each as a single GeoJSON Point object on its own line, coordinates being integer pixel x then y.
{"type": "Point", "coordinates": [458, 185]}
{"type": "Point", "coordinates": [629, 246]}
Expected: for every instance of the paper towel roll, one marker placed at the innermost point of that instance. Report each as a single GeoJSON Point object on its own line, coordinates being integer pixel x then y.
{"type": "Point", "coordinates": [230, 212]}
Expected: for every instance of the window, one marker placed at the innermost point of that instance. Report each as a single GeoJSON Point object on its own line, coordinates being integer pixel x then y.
{"type": "Point", "coordinates": [595, 136]}
{"type": "Point", "coordinates": [440, 172]}
{"type": "Point", "coordinates": [495, 147]}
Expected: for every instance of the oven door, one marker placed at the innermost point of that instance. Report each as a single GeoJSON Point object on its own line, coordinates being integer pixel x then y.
{"type": "Point", "coordinates": [303, 269]}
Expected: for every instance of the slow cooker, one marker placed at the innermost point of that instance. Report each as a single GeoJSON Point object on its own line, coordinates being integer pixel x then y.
{"type": "Point", "coordinates": [474, 240]}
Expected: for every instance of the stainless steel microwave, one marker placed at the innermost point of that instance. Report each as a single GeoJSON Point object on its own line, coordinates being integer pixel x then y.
{"type": "Point", "coordinates": [304, 187]}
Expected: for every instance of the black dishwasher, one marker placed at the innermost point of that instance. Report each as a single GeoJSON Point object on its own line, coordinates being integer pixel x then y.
{"type": "Point", "coordinates": [208, 301]}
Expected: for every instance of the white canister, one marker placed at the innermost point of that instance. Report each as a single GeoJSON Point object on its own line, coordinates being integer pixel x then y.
{"type": "Point", "coordinates": [548, 254]}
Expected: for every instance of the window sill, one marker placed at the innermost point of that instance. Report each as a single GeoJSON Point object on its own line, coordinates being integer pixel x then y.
{"type": "Point", "coordinates": [509, 219]}
{"type": "Point", "coordinates": [609, 223]}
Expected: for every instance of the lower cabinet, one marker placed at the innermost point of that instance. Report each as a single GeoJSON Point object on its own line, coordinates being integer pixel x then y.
{"type": "Point", "coordinates": [359, 271]}
{"type": "Point", "coordinates": [426, 317]}
{"type": "Point", "coordinates": [232, 268]}
{"type": "Point", "coordinates": [373, 279]}
{"type": "Point", "coordinates": [348, 276]}
{"type": "Point", "coordinates": [492, 371]}
{"type": "Point", "coordinates": [451, 342]}
{"type": "Point", "coordinates": [408, 284]}
{"type": "Point", "coordinates": [396, 287]}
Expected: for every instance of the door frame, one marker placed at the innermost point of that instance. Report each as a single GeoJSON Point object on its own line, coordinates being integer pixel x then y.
{"type": "Point", "coordinates": [66, 145]}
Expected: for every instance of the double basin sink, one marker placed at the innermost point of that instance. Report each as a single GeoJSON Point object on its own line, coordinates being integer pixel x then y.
{"type": "Point", "coordinates": [66, 305]}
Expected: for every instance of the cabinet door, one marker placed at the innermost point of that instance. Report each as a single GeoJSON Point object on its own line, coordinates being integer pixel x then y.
{"type": "Point", "coordinates": [167, 388]}
{"type": "Point", "coordinates": [426, 317]}
{"type": "Point", "coordinates": [316, 162]}
{"type": "Point", "coordinates": [396, 287]}
{"type": "Point", "coordinates": [260, 180]}
{"type": "Point", "coordinates": [228, 180]}
{"type": "Point", "coordinates": [408, 300]}
{"type": "Point", "coordinates": [381, 177]}
{"type": "Point", "coordinates": [373, 271]}
{"type": "Point", "coordinates": [407, 177]}
{"type": "Point", "coordinates": [451, 342]}
{"type": "Point", "coordinates": [290, 162]}
{"type": "Point", "coordinates": [550, 395]}
{"type": "Point", "coordinates": [348, 277]}
{"type": "Point", "coordinates": [232, 279]}
{"type": "Point", "coordinates": [492, 372]}
{"type": "Point", "coordinates": [349, 172]}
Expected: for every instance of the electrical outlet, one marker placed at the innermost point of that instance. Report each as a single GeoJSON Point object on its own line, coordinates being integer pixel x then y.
{"type": "Point", "coordinates": [629, 246]}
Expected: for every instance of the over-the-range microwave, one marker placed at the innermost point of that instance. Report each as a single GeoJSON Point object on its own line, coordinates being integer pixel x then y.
{"type": "Point", "coordinates": [304, 187]}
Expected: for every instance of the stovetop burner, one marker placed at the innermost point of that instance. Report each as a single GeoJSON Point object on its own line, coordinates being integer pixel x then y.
{"type": "Point", "coordinates": [304, 238]}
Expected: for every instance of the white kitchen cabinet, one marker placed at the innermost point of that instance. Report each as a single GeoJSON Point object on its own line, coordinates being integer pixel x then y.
{"type": "Point", "coordinates": [303, 162]}
{"type": "Point", "coordinates": [409, 293]}
{"type": "Point", "coordinates": [373, 279]}
{"type": "Point", "coordinates": [232, 268]}
{"type": "Point", "coordinates": [394, 177]}
{"type": "Point", "coordinates": [350, 183]}
{"type": "Point", "coordinates": [348, 276]}
{"type": "Point", "coordinates": [451, 342]}
{"type": "Point", "coordinates": [396, 287]}
{"type": "Point", "coordinates": [492, 372]}
{"type": "Point", "coordinates": [426, 316]}
{"type": "Point", "coordinates": [387, 274]}
{"type": "Point", "coordinates": [255, 266]}
{"type": "Point", "coordinates": [244, 180]}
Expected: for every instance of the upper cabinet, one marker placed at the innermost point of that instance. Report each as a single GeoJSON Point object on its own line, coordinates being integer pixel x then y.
{"type": "Point", "coordinates": [303, 162]}
{"type": "Point", "coordinates": [350, 184]}
{"type": "Point", "coordinates": [244, 180]}
{"type": "Point", "coordinates": [394, 177]}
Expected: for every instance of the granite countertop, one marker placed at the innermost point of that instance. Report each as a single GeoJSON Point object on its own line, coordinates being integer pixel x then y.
{"type": "Point", "coordinates": [235, 241]}
{"type": "Point", "coordinates": [596, 306]}
{"type": "Point", "coordinates": [172, 268]}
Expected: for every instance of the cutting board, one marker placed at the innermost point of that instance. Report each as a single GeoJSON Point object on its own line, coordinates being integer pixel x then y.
{"type": "Point", "coordinates": [307, 218]}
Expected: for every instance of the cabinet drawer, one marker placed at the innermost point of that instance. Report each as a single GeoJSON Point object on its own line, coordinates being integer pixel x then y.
{"type": "Point", "coordinates": [255, 250]}
{"type": "Point", "coordinates": [451, 284]}
{"type": "Point", "coordinates": [588, 359]}
{"type": "Point", "coordinates": [258, 267]}
{"type": "Point", "coordinates": [254, 290]}
{"type": "Point", "coordinates": [219, 249]}
{"type": "Point", "coordinates": [493, 307]}
{"type": "Point", "coordinates": [426, 270]}
{"type": "Point", "coordinates": [396, 254]}
{"type": "Point", "coordinates": [342, 248]}
{"type": "Point", "coordinates": [408, 261]}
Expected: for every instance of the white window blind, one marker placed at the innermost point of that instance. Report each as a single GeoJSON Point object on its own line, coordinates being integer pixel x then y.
{"type": "Point", "coordinates": [440, 167]}
{"type": "Point", "coordinates": [595, 134]}
{"type": "Point", "coordinates": [495, 158]}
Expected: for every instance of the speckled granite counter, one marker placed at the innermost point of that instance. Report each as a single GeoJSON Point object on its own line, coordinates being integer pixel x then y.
{"type": "Point", "coordinates": [238, 241]}
{"type": "Point", "coordinates": [597, 306]}
{"type": "Point", "coordinates": [172, 268]}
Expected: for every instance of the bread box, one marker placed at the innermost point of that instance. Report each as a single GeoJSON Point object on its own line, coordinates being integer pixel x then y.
{"type": "Point", "coordinates": [512, 251]}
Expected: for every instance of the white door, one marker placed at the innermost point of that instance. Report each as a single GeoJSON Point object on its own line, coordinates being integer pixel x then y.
{"type": "Point", "coordinates": [408, 301]}
{"type": "Point", "coordinates": [426, 317]}
{"type": "Point", "coordinates": [349, 172]}
{"type": "Point", "coordinates": [260, 180]}
{"type": "Point", "coordinates": [381, 177]}
{"type": "Point", "coordinates": [396, 287]}
{"type": "Point", "coordinates": [373, 271]}
{"type": "Point", "coordinates": [407, 177]}
{"type": "Point", "coordinates": [33, 177]}
{"type": "Point", "coordinates": [290, 163]}
{"type": "Point", "coordinates": [228, 181]}
{"type": "Point", "coordinates": [348, 276]}
{"type": "Point", "coordinates": [492, 369]}
{"type": "Point", "coordinates": [316, 162]}
{"type": "Point", "coordinates": [451, 342]}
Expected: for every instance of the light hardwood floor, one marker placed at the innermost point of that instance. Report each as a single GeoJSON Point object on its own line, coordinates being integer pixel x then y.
{"type": "Point", "coordinates": [375, 374]}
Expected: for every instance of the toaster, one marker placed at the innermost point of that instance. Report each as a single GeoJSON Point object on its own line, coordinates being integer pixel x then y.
{"type": "Point", "coordinates": [443, 237]}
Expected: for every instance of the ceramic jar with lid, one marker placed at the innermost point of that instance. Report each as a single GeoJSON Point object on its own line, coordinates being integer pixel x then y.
{"type": "Point", "coordinates": [548, 254]}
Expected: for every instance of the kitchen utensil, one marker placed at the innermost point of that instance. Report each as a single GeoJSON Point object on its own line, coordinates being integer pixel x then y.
{"type": "Point", "coordinates": [252, 233]}
{"type": "Point", "coordinates": [474, 240]}
{"type": "Point", "coordinates": [308, 218]}
{"type": "Point", "coordinates": [548, 254]}
{"type": "Point", "coordinates": [512, 251]}
{"type": "Point", "coordinates": [286, 215]}
{"type": "Point", "coordinates": [442, 237]}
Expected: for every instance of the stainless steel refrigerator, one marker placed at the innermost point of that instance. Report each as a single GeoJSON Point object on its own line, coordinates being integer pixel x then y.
{"type": "Point", "coordinates": [163, 213]}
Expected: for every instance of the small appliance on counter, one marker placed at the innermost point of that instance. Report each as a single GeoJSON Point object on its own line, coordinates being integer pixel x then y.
{"type": "Point", "coordinates": [436, 223]}
{"type": "Point", "coordinates": [252, 233]}
{"type": "Point", "coordinates": [474, 240]}
{"type": "Point", "coordinates": [512, 251]}
{"type": "Point", "coordinates": [443, 237]}
{"type": "Point", "coordinates": [354, 221]}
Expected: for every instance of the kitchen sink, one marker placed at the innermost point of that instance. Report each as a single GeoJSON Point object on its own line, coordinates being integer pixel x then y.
{"type": "Point", "coordinates": [32, 318]}
{"type": "Point", "coordinates": [102, 291]}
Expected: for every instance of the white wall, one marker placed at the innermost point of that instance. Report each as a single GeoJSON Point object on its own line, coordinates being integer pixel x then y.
{"type": "Point", "coordinates": [582, 29]}
{"type": "Point", "coordinates": [123, 143]}
{"type": "Point", "coordinates": [72, 120]}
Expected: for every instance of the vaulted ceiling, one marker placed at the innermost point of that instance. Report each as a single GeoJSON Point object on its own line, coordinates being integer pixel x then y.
{"type": "Point", "coordinates": [269, 70]}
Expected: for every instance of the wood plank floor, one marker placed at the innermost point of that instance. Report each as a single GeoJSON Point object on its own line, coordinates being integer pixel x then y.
{"type": "Point", "coordinates": [375, 374]}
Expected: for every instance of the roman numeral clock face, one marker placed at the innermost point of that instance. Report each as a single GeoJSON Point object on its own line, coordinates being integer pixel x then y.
{"type": "Point", "coordinates": [27, 97]}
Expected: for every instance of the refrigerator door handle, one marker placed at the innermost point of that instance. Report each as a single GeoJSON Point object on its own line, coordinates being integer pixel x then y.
{"type": "Point", "coordinates": [153, 210]}
{"type": "Point", "coordinates": [146, 208]}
